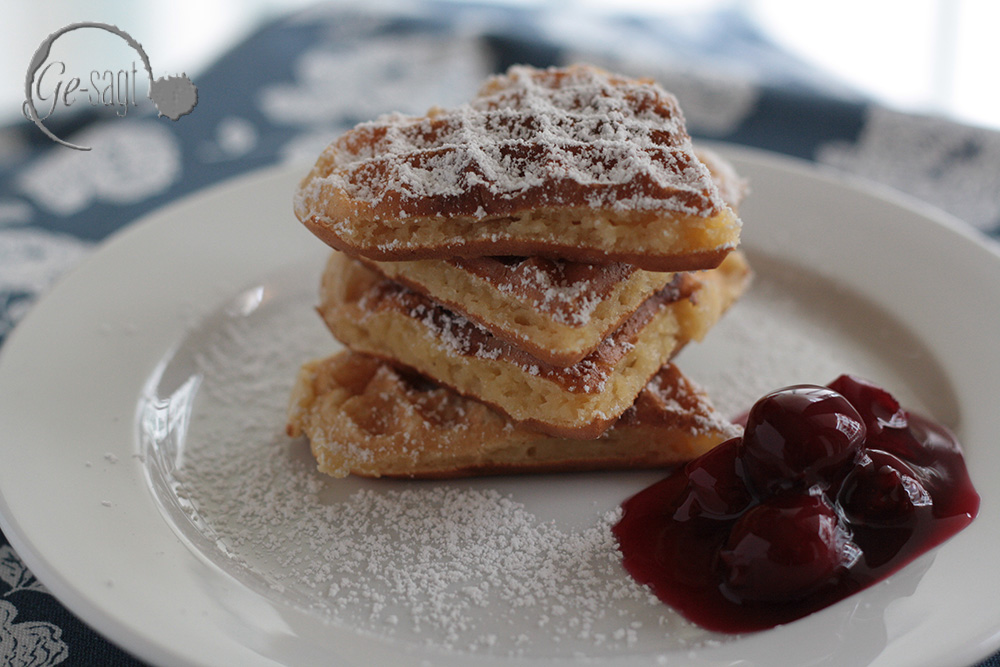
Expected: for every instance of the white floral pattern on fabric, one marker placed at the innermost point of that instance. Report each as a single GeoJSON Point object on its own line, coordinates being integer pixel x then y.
{"type": "Point", "coordinates": [948, 165]}
{"type": "Point", "coordinates": [31, 643]}
{"type": "Point", "coordinates": [392, 73]}
{"type": "Point", "coordinates": [15, 575]}
{"type": "Point", "coordinates": [234, 137]}
{"type": "Point", "coordinates": [30, 260]}
{"type": "Point", "coordinates": [26, 644]}
{"type": "Point", "coordinates": [130, 161]}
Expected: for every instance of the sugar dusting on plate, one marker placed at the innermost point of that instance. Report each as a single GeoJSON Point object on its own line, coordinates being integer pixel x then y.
{"type": "Point", "coordinates": [461, 566]}
{"type": "Point", "coordinates": [490, 566]}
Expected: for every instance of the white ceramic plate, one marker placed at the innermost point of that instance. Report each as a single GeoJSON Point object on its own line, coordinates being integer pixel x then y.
{"type": "Point", "coordinates": [147, 483]}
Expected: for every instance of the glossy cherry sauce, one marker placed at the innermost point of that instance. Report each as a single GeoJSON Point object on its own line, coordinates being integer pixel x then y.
{"type": "Point", "coordinates": [829, 490]}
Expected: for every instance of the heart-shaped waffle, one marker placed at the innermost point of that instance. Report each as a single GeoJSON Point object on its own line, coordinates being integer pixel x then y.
{"type": "Point", "coordinates": [572, 163]}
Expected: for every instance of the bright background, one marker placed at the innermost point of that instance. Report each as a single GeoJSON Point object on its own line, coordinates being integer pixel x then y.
{"type": "Point", "coordinates": [927, 56]}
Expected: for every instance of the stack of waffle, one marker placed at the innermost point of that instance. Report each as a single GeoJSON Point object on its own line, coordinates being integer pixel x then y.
{"type": "Point", "coordinates": [511, 280]}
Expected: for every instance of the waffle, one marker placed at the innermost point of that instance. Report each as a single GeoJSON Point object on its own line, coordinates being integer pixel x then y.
{"type": "Point", "coordinates": [556, 310]}
{"type": "Point", "coordinates": [366, 417]}
{"type": "Point", "coordinates": [572, 163]}
{"type": "Point", "coordinates": [381, 317]}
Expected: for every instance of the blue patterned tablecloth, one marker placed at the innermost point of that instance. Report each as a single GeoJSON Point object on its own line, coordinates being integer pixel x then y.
{"type": "Point", "coordinates": [284, 92]}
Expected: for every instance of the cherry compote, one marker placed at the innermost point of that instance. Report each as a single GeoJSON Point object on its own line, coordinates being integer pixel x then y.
{"type": "Point", "coordinates": [829, 490]}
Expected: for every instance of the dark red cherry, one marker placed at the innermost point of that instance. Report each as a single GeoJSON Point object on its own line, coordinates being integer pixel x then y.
{"type": "Point", "coordinates": [715, 487]}
{"type": "Point", "coordinates": [878, 408]}
{"type": "Point", "coordinates": [761, 532]}
{"type": "Point", "coordinates": [799, 437]}
{"type": "Point", "coordinates": [883, 490]}
{"type": "Point", "coordinates": [784, 549]}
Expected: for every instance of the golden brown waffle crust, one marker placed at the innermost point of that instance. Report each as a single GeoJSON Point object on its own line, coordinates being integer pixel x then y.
{"type": "Point", "coordinates": [371, 314]}
{"type": "Point", "coordinates": [579, 236]}
{"type": "Point", "coordinates": [580, 401]}
{"type": "Point", "coordinates": [606, 173]}
{"type": "Point", "coordinates": [365, 417]}
{"type": "Point", "coordinates": [583, 316]}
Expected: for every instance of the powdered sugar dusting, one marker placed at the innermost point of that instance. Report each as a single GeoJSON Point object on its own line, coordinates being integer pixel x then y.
{"type": "Point", "coordinates": [458, 337]}
{"type": "Point", "coordinates": [498, 566]}
{"type": "Point", "coordinates": [466, 566]}
{"type": "Point", "coordinates": [568, 301]}
{"type": "Point", "coordinates": [786, 330]}
{"type": "Point", "coordinates": [706, 421]}
{"type": "Point", "coordinates": [549, 137]}
{"type": "Point", "coordinates": [568, 292]}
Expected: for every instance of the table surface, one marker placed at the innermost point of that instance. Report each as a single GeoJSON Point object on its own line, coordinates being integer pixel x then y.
{"type": "Point", "coordinates": [284, 92]}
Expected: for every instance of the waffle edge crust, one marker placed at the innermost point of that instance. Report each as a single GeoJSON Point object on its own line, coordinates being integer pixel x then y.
{"type": "Point", "coordinates": [366, 417]}
{"type": "Point", "coordinates": [571, 163]}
